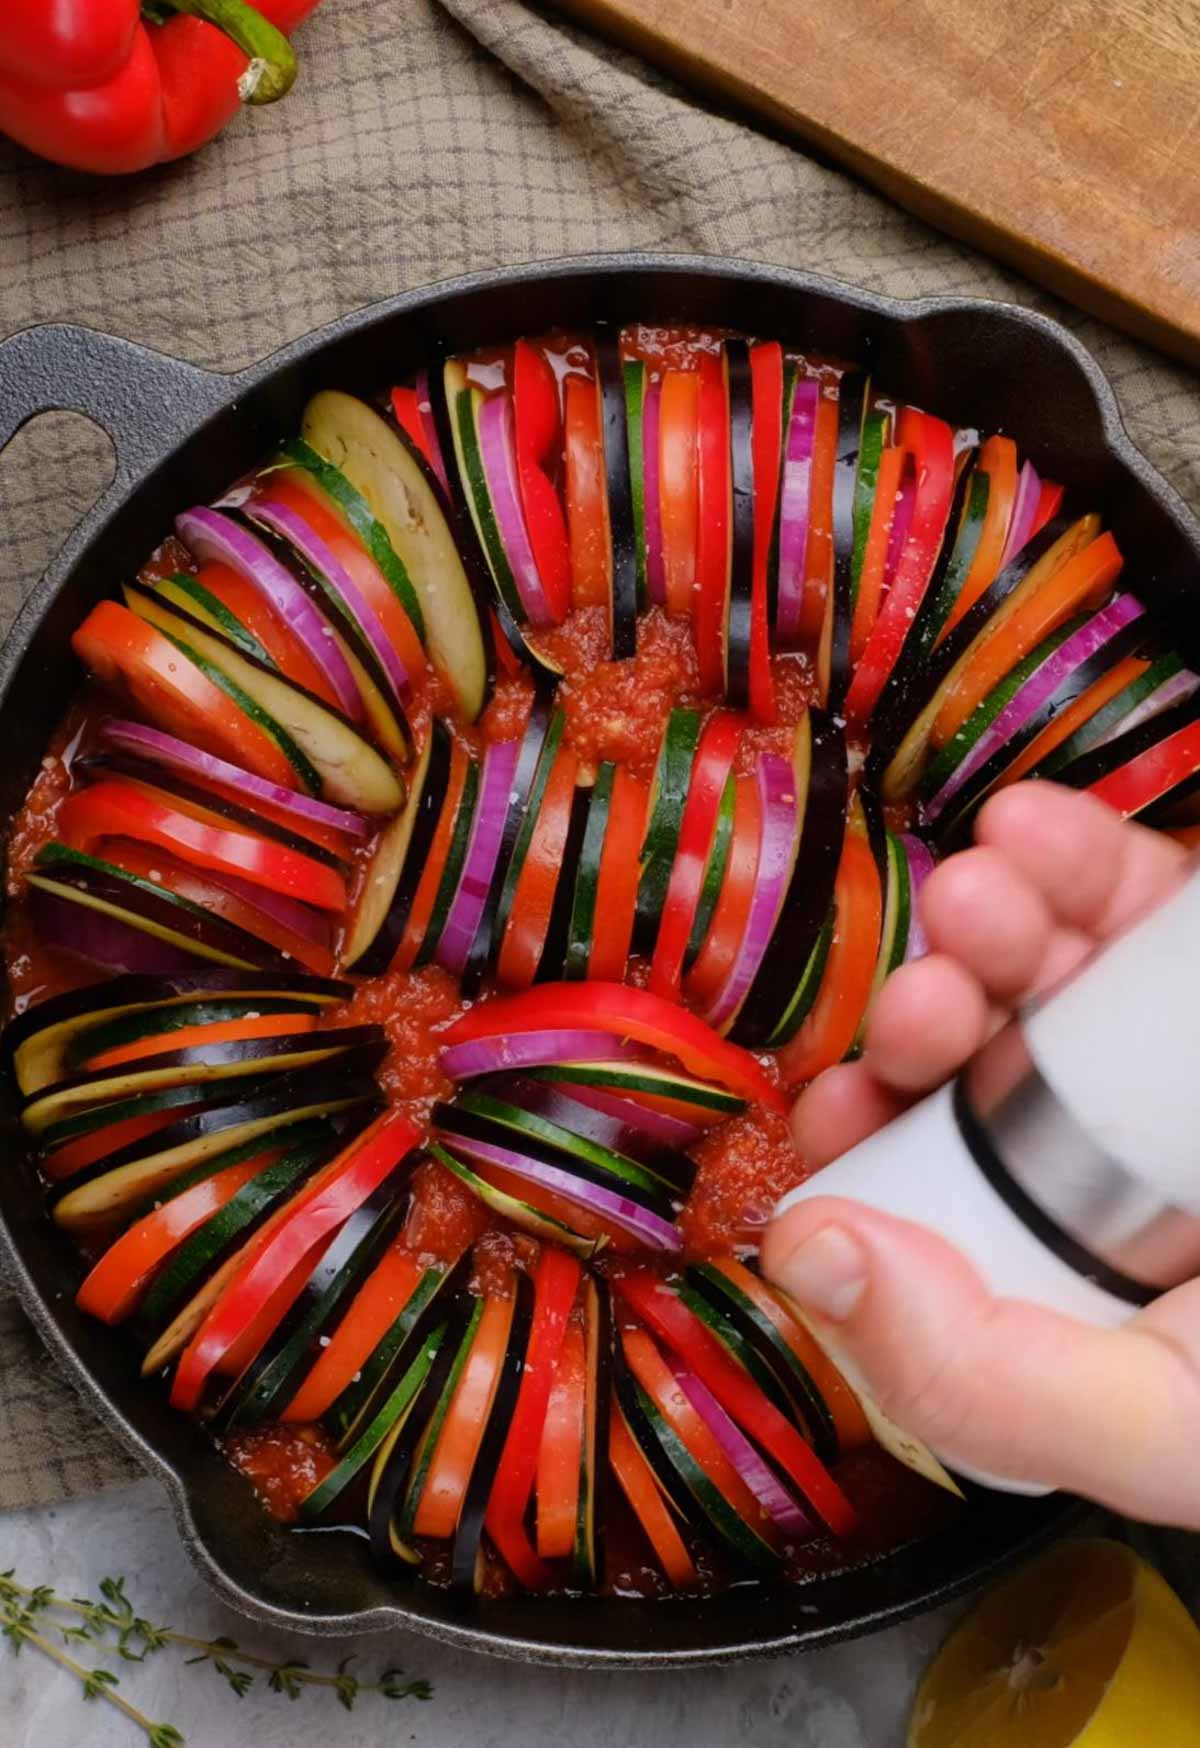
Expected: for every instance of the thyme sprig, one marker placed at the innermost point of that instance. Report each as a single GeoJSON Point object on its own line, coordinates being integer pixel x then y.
{"type": "Point", "coordinates": [30, 1615]}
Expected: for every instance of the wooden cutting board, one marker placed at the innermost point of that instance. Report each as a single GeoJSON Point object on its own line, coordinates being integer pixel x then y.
{"type": "Point", "coordinates": [1062, 136]}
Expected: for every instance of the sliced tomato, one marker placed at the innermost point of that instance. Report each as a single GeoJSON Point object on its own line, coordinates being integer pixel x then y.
{"type": "Point", "coordinates": [435, 863]}
{"type": "Point", "coordinates": [114, 1286]}
{"type": "Point", "coordinates": [555, 1283]}
{"type": "Point", "coordinates": [458, 1441]}
{"type": "Point", "coordinates": [636, 1480]}
{"type": "Point", "coordinates": [710, 772]}
{"type": "Point", "coordinates": [679, 485]}
{"type": "Point", "coordinates": [1073, 716]}
{"type": "Point", "coordinates": [533, 900]}
{"type": "Point", "coordinates": [874, 565]}
{"type": "Point", "coordinates": [587, 495]}
{"type": "Point", "coordinates": [560, 1452]}
{"type": "Point", "coordinates": [713, 519]}
{"type": "Point", "coordinates": [818, 557]}
{"type": "Point", "coordinates": [537, 428]}
{"type": "Point", "coordinates": [373, 1310]}
{"type": "Point", "coordinates": [766, 444]}
{"type": "Point", "coordinates": [407, 411]}
{"type": "Point", "coordinates": [617, 882]}
{"type": "Point", "coordinates": [115, 808]}
{"type": "Point", "coordinates": [1049, 504]}
{"type": "Point", "coordinates": [998, 459]}
{"type": "Point", "coordinates": [829, 1030]}
{"type": "Point", "coordinates": [1083, 583]}
{"type": "Point", "coordinates": [255, 615]}
{"type": "Point", "coordinates": [716, 957]}
{"type": "Point", "coordinates": [137, 662]}
{"type": "Point", "coordinates": [1152, 774]}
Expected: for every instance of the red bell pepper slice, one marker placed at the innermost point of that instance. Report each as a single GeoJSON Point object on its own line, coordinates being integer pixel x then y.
{"type": "Point", "coordinates": [328, 1201]}
{"type": "Point", "coordinates": [560, 1453]}
{"type": "Point", "coordinates": [617, 884]}
{"type": "Point", "coordinates": [113, 808]}
{"type": "Point", "coordinates": [712, 532]}
{"type": "Point", "coordinates": [637, 1482]}
{"type": "Point", "coordinates": [373, 1310]}
{"type": "Point", "coordinates": [710, 772]}
{"type": "Point", "coordinates": [930, 441]}
{"type": "Point", "coordinates": [116, 1283]}
{"type": "Point", "coordinates": [1049, 504]}
{"type": "Point", "coordinates": [661, 1309]}
{"type": "Point", "coordinates": [449, 1474]}
{"type": "Point", "coordinates": [538, 435]}
{"type": "Point", "coordinates": [533, 901]}
{"type": "Point", "coordinates": [137, 662]}
{"type": "Point", "coordinates": [766, 444]}
{"type": "Point", "coordinates": [407, 409]}
{"type": "Point", "coordinates": [555, 1284]}
{"type": "Point", "coordinates": [1152, 774]}
{"type": "Point", "coordinates": [90, 84]}
{"type": "Point", "coordinates": [832, 1025]}
{"type": "Point", "coordinates": [716, 957]}
{"type": "Point", "coordinates": [636, 1014]}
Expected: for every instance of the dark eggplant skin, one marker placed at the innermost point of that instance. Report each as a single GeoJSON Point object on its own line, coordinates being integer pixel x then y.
{"type": "Point", "coordinates": [741, 564]}
{"type": "Point", "coordinates": [920, 671]}
{"type": "Point", "coordinates": [810, 890]}
{"type": "Point", "coordinates": [230, 1054]}
{"type": "Point", "coordinates": [953, 828]}
{"type": "Point", "coordinates": [852, 394]}
{"type": "Point", "coordinates": [620, 496]}
{"type": "Point", "coordinates": [382, 949]}
{"type": "Point", "coordinates": [485, 946]}
{"type": "Point", "coordinates": [467, 1126]}
{"type": "Point", "coordinates": [1102, 761]}
{"type": "Point", "coordinates": [171, 788]}
{"type": "Point", "coordinates": [589, 1557]}
{"type": "Point", "coordinates": [624, 1387]}
{"type": "Point", "coordinates": [541, 1097]}
{"type": "Point", "coordinates": [393, 1480]}
{"type": "Point", "coordinates": [136, 900]}
{"type": "Point", "coordinates": [554, 949]}
{"type": "Point", "coordinates": [466, 1555]}
{"type": "Point", "coordinates": [349, 1077]}
{"type": "Point", "coordinates": [928, 621]}
{"type": "Point", "coordinates": [290, 1352]}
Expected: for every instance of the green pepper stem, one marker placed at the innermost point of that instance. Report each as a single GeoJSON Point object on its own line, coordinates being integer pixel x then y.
{"type": "Point", "coordinates": [272, 70]}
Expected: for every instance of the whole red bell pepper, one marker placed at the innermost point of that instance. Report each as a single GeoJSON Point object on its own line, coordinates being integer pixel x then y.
{"type": "Point", "coordinates": [116, 85]}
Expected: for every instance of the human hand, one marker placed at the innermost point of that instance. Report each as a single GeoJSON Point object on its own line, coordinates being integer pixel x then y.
{"type": "Point", "coordinates": [996, 1385]}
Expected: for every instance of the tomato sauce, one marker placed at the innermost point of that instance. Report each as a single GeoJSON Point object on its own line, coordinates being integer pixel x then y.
{"type": "Point", "coordinates": [283, 1461]}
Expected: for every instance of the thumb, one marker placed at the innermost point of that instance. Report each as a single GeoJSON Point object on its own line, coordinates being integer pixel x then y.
{"type": "Point", "coordinates": [991, 1384]}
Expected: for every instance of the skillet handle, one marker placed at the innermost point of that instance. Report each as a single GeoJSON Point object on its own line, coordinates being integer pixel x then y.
{"type": "Point", "coordinates": [144, 400]}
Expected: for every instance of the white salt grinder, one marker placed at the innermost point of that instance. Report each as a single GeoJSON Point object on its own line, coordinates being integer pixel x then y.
{"type": "Point", "coordinates": [1064, 1160]}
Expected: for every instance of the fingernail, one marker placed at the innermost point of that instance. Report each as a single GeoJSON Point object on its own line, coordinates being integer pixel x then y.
{"type": "Point", "coordinates": [827, 1273]}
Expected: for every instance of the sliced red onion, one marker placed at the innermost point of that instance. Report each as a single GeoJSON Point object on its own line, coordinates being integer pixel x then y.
{"type": "Point", "coordinates": [1034, 695]}
{"type": "Point", "coordinates": [610, 1205]}
{"type": "Point", "coordinates": [776, 854]}
{"type": "Point", "coordinates": [902, 515]}
{"type": "Point", "coordinates": [759, 1477]}
{"type": "Point", "coordinates": [309, 925]}
{"type": "Point", "coordinates": [498, 448]}
{"type": "Point", "coordinates": [429, 428]}
{"type": "Point", "coordinates": [479, 864]}
{"type": "Point", "coordinates": [103, 940]}
{"type": "Point", "coordinates": [532, 1050]}
{"type": "Point", "coordinates": [1172, 691]}
{"type": "Point", "coordinates": [795, 492]}
{"type": "Point", "coordinates": [188, 761]}
{"type": "Point", "coordinates": [1024, 513]}
{"type": "Point", "coordinates": [920, 866]}
{"type": "Point", "coordinates": [212, 536]}
{"type": "Point", "coordinates": [656, 1125]}
{"type": "Point", "coordinates": [656, 574]}
{"type": "Point", "coordinates": [319, 559]}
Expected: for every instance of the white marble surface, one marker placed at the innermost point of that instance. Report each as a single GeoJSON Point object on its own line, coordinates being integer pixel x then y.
{"type": "Point", "coordinates": [851, 1696]}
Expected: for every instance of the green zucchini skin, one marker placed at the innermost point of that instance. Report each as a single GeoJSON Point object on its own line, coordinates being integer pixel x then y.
{"type": "Point", "coordinates": [402, 1525]}
{"type": "Point", "coordinates": [466, 1555]}
{"type": "Point", "coordinates": [486, 945]}
{"type": "Point", "coordinates": [669, 792]}
{"type": "Point", "coordinates": [714, 875]}
{"type": "Point", "coordinates": [587, 1555]}
{"type": "Point", "coordinates": [633, 372]}
{"type": "Point", "coordinates": [452, 872]}
{"type": "Point", "coordinates": [641, 1077]}
{"type": "Point", "coordinates": [401, 854]}
{"type": "Point", "coordinates": [551, 742]}
{"type": "Point", "coordinates": [581, 928]}
{"type": "Point", "coordinates": [522, 1214]}
{"type": "Point", "coordinates": [625, 544]}
{"type": "Point", "coordinates": [853, 392]}
{"type": "Point", "coordinates": [741, 569]}
{"type": "Point", "coordinates": [554, 949]}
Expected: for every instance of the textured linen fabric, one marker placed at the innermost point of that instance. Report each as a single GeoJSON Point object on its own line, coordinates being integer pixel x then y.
{"type": "Point", "coordinates": [421, 140]}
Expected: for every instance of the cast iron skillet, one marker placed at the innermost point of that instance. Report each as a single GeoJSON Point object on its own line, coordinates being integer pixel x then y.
{"type": "Point", "coordinates": [181, 435]}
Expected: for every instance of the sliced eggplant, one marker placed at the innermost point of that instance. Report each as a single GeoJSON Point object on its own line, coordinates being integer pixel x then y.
{"type": "Point", "coordinates": [609, 1133]}
{"type": "Point", "coordinates": [405, 1508]}
{"type": "Point", "coordinates": [587, 1555]}
{"type": "Point", "coordinates": [714, 874]}
{"type": "Point", "coordinates": [738, 1348]}
{"type": "Point", "coordinates": [198, 1064]}
{"type": "Point", "coordinates": [968, 511]}
{"type": "Point", "coordinates": [486, 943]}
{"type": "Point", "coordinates": [467, 1566]}
{"type": "Point", "coordinates": [582, 921]}
{"type": "Point", "coordinates": [1103, 760]}
{"type": "Point", "coordinates": [822, 789]}
{"type": "Point", "coordinates": [1156, 684]}
{"type": "Point", "coordinates": [290, 1351]}
{"type": "Point", "coordinates": [551, 741]}
{"type": "Point", "coordinates": [398, 861]}
{"type": "Point", "coordinates": [513, 1209]}
{"type": "Point", "coordinates": [633, 376]}
{"type": "Point", "coordinates": [136, 1025]}
{"type": "Point", "coordinates": [668, 798]}
{"type": "Point", "coordinates": [50, 1037]}
{"type": "Point", "coordinates": [741, 574]}
{"type": "Point", "coordinates": [643, 1078]}
{"type": "Point", "coordinates": [465, 401]}
{"type": "Point", "coordinates": [623, 534]}
{"type": "Point", "coordinates": [554, 949]}
{"type": "Point", "coordinates": [807, 987]}
{"type": "Point", "coordinates": [94, 885]}
{"type": "Point", "coordinates": [426, 1307]}
{"type": "Point", "coordinates": [853, 398]}
{"type": "Point", "coordinates": [147, 1104]}
{"type": "Point", "coordinates": [188, 592]}
{"type": "Point", "coordinates": [102, 1192]}
{"type": "Point", "coordinates": [452, 872]}
{"type": "Point", "coordinates": [347, 769]}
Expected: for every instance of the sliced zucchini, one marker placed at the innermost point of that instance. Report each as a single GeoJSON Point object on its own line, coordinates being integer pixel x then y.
{"type": "Point", "coordinates": [587, 1555]}
{"type": "Point", "coordinates": [582, 921]}
{"type": "Point", "coordinates": [188, 592]}
{"type": "Point", "coordinates": [452, 872]}
{"type": "Point", "coordinates": [486, 944]}
{"type": "Point", "coordinates": [642, 1077]}
{"type": "Point", "coordinates": [381, 467]}
{"type": "Point", "coordinates": [623, 534]}
{"type": "Point", "coordinates": [714, 874]}
{"type": "Point", "coordinates": [347, 769]}
{"type": "Point", "coordinates": [609, 1133]}
{"type": "Point", "coordinates": [1107, 721]}
{"type": "Point", "coordinates": [633, 373]}
{"type": "Point", "coordinates": [427, 1444]}
{"type": "Point", "coordinates": [578, 1148]}
{"type": "Point", "coordinates": [807, 988]}
{"type": "Point", "coordinates": [529, 1219]}
{"type": "Point", "coordinates": [551, 741]}
{"type": "Point", "coordinates": [741, 545]}
{"type": "Point", "coordinates": [398, 861]}
{"type": "Point", "coordinates": [134, 1026]}
{"type": "Point", "coordinates": [467, 1555]}
{"type": "Point", "coordinates": [853, 398]}
{"type": "Point", "coordinates": [668, 797]}
{"type": "Point", "coordinates": [554, 947]}
{"type": "Point", "coordinates": [148, 1104]}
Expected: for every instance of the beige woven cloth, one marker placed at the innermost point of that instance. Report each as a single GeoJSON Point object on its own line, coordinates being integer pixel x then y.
{"type": "Point", "coordinates": [421, 140]}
